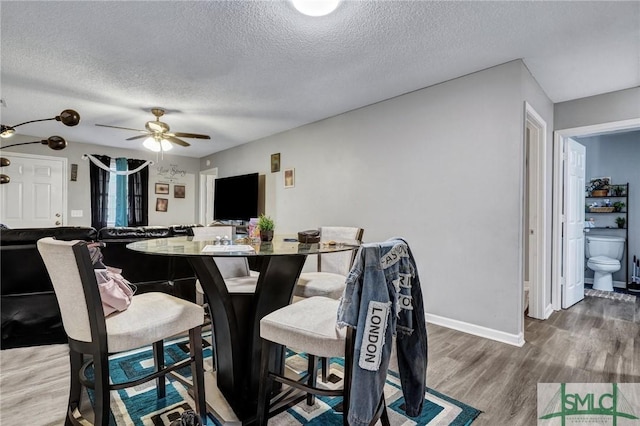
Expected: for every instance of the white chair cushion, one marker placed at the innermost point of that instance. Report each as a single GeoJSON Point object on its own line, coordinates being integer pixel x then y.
{"type": "Point", "coordinates": [151, 317]}
{"type": "Point", "coordinates": [308, 326]}
{"type": "Point", "coordinates": [325, 284]}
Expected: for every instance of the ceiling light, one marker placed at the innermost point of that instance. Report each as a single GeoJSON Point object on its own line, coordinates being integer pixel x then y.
{"type": "Point", "coordinates": [6, 131]}
{"type": "Point", "coordinates": [315, 7]}
{"type": "Point", "coordinates": [157, 146]}
{"type": "Point", "coordinates": [68, 117]}
{"type": "Point", "coordinates": [54, 142]}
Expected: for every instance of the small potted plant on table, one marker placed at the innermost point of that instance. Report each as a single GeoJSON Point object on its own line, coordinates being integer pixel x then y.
{"type": "Point", "coordinates": [266, 226]}
{"type": "Point", "coordinates": [621, 221]}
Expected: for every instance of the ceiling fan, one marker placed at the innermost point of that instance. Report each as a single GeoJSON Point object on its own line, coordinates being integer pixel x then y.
{"type": "Point", "coordinates": [158, 136]}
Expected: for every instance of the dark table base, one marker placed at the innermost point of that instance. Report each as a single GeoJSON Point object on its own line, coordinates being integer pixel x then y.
{"type": "Point", "coordinates": [236, 325]}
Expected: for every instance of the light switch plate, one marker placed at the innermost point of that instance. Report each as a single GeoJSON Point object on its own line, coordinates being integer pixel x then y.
{"type": "Point", "coordinates": [76, 213]}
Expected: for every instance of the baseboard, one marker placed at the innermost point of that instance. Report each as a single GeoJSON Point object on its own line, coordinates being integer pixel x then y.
{"type": "Point", "coordinates": [477, 330]}
{"type": "Point", "coordinates": [617, 284]}
{"type": "Point", "coordinates": [548, 310]}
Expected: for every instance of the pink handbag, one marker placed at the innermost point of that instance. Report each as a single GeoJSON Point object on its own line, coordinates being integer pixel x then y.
{"type": "Point", "coordinates": [115, 290]}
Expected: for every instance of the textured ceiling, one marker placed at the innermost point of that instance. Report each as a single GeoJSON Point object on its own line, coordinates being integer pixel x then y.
{"type": "Point", "coordinates": [242, 70]}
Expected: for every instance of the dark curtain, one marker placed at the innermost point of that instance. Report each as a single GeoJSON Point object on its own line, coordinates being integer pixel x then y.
{"type": "Point", "coordinates": [138, 210]}
{"type": "Point", "coordinates": [99, 192]}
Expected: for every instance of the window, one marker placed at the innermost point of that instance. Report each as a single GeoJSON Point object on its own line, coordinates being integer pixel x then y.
{"type": "Point", "coordinates": [118, 205]}
{"type": "Point", "coordinates": [112, 197]}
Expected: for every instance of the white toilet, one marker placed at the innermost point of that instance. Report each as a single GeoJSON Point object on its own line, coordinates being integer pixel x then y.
{"type": "Point", "coordinates": [604, 254]}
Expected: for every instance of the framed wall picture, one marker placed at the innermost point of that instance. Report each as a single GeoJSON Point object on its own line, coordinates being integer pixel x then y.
{"type": "Point", "coordinates": [162, 188]}
{"type": "Point", "coordinates": [289, 178]}
{"type": "Point", "coordinates": [275, 163]}
{"type": "Point", "coordinates": [179, 191]}
{"type": "Point", "coordinates": [162, 204]}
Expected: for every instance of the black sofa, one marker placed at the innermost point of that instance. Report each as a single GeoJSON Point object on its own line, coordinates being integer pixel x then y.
{"type": "Point", "coordinates": [30, 313]}
{"type": "Point", "coordinates": [29, 309]}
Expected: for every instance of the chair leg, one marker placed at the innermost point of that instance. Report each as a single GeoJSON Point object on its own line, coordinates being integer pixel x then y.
{"type": "Point", "coordinates": [101, 370]}
{"type": "Point", "coordinates": [264, 385]}
{"type": "Point", "coordinates": [312, 371]}
{"type": "Point", "coordinates": [348, 367]}
{"type": "Point", "coordinates": [158, 360]}
{"type": "Point", "coordinates": [197, 372]}
{"type": "Point", "coordinates": [325, 368]}
{"type": "Point", "coordinates": [75, 389]}
{"type": "Point", "coordinates": [385, 415]}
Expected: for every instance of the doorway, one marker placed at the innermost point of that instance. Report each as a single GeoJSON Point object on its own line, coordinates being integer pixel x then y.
{"type": "Point", "coordinates": [534, 224]}
{"type": "Point", "coordinates": [36, 195]}
{"type": "Point", "coordinates": [561, 269]}
{"type": "Point", "coordinates": [207, 184]}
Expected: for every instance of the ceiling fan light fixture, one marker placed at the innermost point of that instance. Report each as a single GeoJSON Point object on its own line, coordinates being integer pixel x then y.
{"type": "Point", "coordinates": [166, 145]}
{"type": "Point", "coordinates": [156, 146]}
{"type": "Point", "coordinates": [315, 7]}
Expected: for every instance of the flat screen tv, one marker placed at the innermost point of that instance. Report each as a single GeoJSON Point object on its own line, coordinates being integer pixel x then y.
{"type": "Point", "coordinates": [236, 197]}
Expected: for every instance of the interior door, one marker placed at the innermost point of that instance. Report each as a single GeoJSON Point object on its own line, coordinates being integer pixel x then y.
{"type": "Point", "coordinates": [573, 290]}
{"type": "Point", "coordinates": [36, 196]}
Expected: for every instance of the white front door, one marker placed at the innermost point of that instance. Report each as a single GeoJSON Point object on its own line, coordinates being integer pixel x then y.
{"type": "Point", "coordinates": [36, 195]}
{"type": "Point", "coordinates": [574, 188]}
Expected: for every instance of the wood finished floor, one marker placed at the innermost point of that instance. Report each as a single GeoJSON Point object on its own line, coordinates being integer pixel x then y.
{"type": "Point", "coordinates": [597, 340]}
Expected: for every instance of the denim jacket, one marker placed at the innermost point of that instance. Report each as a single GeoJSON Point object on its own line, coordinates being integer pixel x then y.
{"type": "Point", "coordinates": [382, 299]}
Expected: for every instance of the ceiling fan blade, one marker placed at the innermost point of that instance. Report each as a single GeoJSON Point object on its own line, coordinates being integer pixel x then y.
{"type": "Point", "coordinates": [138, 137]}
{"type": "Point", "coordinates": [122, 128]}
{"type": "Point", "coordinates": [191, 135]}
{"type": "Point", "coordinates": [176, 140]}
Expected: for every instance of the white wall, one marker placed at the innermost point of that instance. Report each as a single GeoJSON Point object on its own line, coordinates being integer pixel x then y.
{"type": "Point", "coordinates": [179, 210]}
{"type": "Point", "coordinates": [79, 195]}
{"type": "Point", "coordinates": [606, 108]}
{"type": "Point", "coordinates": [441, 166]}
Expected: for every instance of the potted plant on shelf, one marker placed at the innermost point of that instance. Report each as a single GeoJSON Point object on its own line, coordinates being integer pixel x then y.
{"type": "Point", "coordinates": [621, 221]}
{"type": "Point", "coordinates": [266, 225]}
{"type": "Point", "coordinates": [618, 205]}
{"type": "Point", "coordinates": [599, 187]}
{"type": "Point", "coordinates": [618, 190]}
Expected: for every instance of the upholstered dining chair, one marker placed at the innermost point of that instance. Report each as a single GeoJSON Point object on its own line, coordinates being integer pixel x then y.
{"type": "Point", "coordinates": [307, 326]}
{"type": "Point", "coordinates": [235, 270]}
{"type": "Point", "coordinates": [149, 319]}
{"type": "Point", "coordinates": [333, 268]}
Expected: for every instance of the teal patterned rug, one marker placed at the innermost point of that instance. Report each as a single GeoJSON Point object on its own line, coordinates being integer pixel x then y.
{"type": "Point", "coordinates": [140, 406]}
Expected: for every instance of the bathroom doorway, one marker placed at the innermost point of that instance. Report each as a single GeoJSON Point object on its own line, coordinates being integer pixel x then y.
{"type": "Point", "coordinates": [561, 269]}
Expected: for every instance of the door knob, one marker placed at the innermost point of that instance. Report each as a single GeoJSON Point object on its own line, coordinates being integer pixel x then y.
{"type": "Point", "coordinates": [57, 222]}
{"type": "Point", "coordinates": [57, 214]}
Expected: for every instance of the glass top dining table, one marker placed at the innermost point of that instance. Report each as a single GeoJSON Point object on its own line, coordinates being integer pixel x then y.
{"type": "Point", "coordinates": [238, 247]}
{"type": "Point", "coordinates": [236, 316]}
